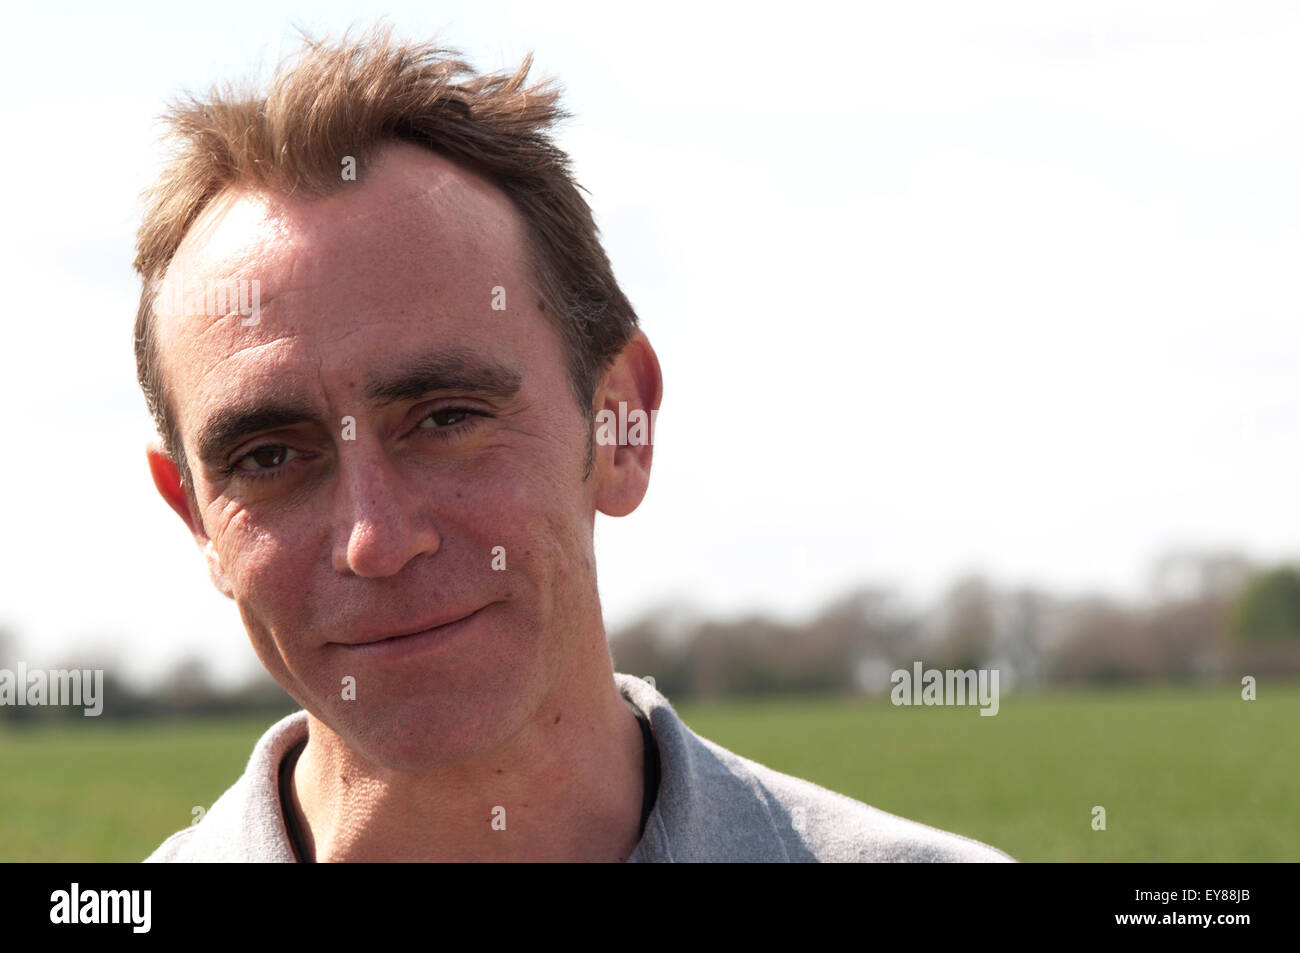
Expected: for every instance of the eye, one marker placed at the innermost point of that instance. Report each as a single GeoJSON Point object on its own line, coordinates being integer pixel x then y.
{"type": "Point", "coordinates": [265, 458]}
{"type": "Point", "coordinates": [446, 417]}
{"type": "Point", "coordinates": [450, 423]}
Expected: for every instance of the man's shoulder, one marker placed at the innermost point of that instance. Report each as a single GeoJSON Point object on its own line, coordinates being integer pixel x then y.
{"type": "Point", "coordinates": [836, 828]}
{"type": "Point", "coordinates": [176, 849]}
{"type": "Point", "coordinates": [246, 823]}
{"type": "Point", "coordinates": [715, 804]}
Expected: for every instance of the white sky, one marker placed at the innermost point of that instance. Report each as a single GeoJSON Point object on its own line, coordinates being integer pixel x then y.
{"type": "Point", "coordinates": [935, 286]}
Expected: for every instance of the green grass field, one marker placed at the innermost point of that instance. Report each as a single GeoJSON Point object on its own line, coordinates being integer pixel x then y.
{"type": "Point", "coordinates": [1184, 774]}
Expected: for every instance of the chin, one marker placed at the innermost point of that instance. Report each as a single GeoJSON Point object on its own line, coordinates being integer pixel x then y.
{"type": "Point", "coordinates": [425, 736]}
{"type": "Point", "coordinates": [419, 724]}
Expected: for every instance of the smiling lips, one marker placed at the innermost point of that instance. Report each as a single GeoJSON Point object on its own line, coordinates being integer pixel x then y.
{"type": "Point", "coordinates": [410, 641]}
{"type": "Point", "coordinates": [412, 631]}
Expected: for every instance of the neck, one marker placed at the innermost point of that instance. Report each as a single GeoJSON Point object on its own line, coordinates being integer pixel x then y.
{"type": "Point", "coordinates": [566, 788]}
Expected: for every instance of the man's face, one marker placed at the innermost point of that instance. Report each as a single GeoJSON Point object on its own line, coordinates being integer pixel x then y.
{"type": "Point", "coordinates": [467, 452]}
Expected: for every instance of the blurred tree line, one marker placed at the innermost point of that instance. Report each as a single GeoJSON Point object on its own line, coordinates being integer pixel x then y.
{"type": "Point", "coordinates": [187, 690]}
{"type": "Point", "coordinates": [1207, 616]}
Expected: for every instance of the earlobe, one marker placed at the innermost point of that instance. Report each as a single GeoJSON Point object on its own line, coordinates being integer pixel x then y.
{"type": "Point", "coordinates": [215, 571]}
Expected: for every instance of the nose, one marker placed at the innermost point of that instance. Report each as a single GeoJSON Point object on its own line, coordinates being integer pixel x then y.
{"type": "Point", "coordinates": [384, 522]}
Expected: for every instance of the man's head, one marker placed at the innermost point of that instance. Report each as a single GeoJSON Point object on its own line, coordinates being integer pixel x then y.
{"type": "Point", "coordinates": [325, 114]}
{"type": "Point", "coordinates": [387, 449]}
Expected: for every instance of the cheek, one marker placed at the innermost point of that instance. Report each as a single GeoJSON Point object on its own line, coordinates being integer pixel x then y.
{"type": "Point", "coordinates": [541, 520]}
{"type": "Point", "coordinates": [269, 568]}
{"type": "Point", "coordinates": [553, 572]}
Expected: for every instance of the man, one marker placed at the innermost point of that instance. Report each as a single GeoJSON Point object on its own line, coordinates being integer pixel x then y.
{"type": "Point", "coordinates": [376, 334]}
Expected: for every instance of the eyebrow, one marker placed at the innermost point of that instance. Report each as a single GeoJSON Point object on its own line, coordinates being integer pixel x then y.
{"type": "Point", "coordinates": [230, 426]}
{"type": "Point", "coordinates": [454, 369]}
{"type": "Point", "coordinates": [416, 377]}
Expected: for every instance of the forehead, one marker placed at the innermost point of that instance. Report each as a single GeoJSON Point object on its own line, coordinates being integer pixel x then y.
{"type": "Point", "coordinates": [415, 247]}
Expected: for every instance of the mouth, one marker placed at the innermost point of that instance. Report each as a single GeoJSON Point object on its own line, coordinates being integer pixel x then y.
{"type": "Point", "coordinates": [406, 643]}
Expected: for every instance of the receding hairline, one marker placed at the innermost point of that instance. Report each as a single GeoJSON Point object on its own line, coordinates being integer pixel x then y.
{"type": "Point", "coordinates": [284, 216]}
{"type": "Point", "coordinates": [284, 223]}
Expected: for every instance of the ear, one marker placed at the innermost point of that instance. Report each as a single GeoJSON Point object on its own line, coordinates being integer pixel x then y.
{"type": "Point", "coordinates": [626, 404]}
{"type": "Point", "coordinates": [167, 480]}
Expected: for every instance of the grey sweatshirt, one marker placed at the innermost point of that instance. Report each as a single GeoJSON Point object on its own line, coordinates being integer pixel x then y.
{"type": "Point", "coordinates": [713, 805]}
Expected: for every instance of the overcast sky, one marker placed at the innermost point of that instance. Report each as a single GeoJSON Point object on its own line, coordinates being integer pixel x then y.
{"type": "Point", "coordinates": [936, 287]}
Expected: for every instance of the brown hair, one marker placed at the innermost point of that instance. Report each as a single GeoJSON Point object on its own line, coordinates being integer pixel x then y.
{"type": "Point", "coordinates": [347, 99]}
